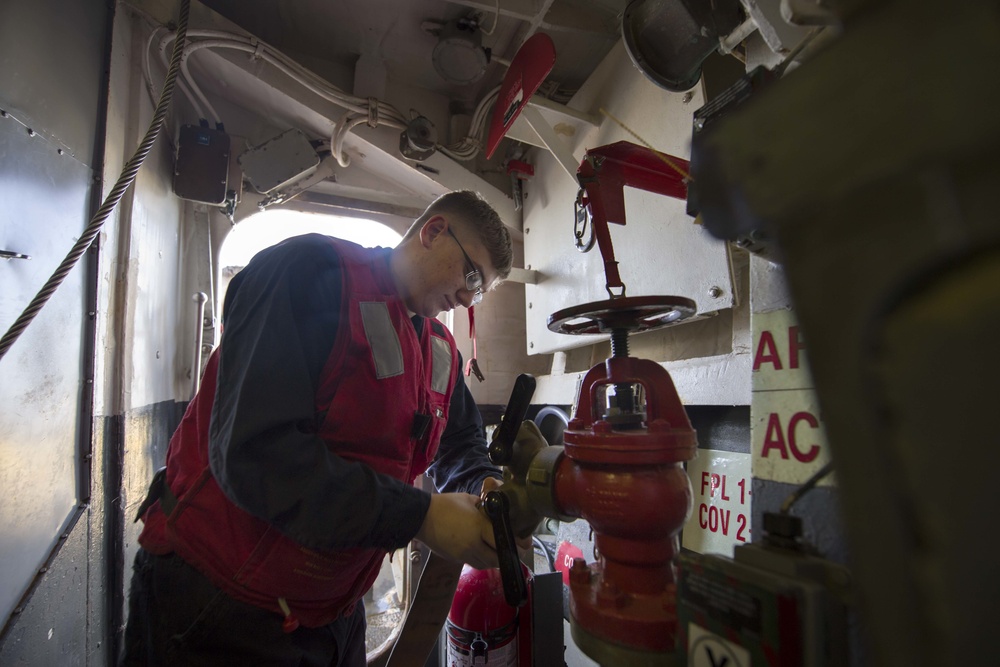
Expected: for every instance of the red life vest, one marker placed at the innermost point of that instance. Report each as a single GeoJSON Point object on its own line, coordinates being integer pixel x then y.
{"type": "Point", "coordinates": [380, 374]}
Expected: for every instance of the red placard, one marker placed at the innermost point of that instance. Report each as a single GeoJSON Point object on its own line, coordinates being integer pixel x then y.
{"type": "Point", "coordinates": [565, 554]}
{"type": "Point", "coordinates": [531, 64]}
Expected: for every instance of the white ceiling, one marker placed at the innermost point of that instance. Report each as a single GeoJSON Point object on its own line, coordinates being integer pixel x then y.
{"type": "Point", "coordinates": [394, 39]}
{"type": "Point", "coordinates": [394, 31]}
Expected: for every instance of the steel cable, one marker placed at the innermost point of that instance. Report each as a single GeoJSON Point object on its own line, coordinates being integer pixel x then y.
{"type": "Point", "coordinates": [114, 197]}
{"type": "Point", "coordinates": [806, 487]}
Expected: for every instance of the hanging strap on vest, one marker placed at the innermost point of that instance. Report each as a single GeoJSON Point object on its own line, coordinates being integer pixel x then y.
{"type": "Point", "coordinates": [158, 490]}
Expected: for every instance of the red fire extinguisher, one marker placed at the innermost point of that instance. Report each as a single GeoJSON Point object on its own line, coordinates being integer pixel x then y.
{"type": "Point", "coordinates": [482, 628]}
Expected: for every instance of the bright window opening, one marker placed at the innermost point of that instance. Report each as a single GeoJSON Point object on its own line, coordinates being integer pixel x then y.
{"type": "Point", "coordinates": [265, 229]}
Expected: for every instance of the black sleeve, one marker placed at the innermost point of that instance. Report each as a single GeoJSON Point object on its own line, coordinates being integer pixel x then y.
{"type": "Point", "coordinates": [462, 463]}
{"type": "Point", "coordinates": [279, 328]}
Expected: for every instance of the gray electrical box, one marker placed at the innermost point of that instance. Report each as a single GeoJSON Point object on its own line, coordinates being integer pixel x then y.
{"type": "Point", "coordinates": [765, 607]}
{"type": "Point", "coordinates": [287, 158]}
{"type": "Point", "coordinates": [201, 172]}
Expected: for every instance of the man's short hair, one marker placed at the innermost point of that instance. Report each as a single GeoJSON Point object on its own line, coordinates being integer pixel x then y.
{"type": "Point", "coordinates": [474, 214]}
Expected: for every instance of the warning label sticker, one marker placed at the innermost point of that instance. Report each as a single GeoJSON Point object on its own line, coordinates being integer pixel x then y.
{"type": "Point", "coordinates": [706, 649]}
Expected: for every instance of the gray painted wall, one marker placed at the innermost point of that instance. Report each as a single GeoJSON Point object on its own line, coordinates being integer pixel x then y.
{"type": "Point", "coordinates": [93, 389]}
{"type": "Point", "coordinates": [52, 93]}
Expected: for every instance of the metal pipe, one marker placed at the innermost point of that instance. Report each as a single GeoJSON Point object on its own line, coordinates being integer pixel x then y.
{"type": "Point", "coordinates": [199, 334]}
{"type": "Point", "coordinates": [733, 39]}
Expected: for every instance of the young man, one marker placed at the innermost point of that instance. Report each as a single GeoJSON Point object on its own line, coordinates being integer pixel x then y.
{"type": "Point", "coordinates": [290, 476]}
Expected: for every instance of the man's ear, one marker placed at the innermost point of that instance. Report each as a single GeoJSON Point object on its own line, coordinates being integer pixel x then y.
{"type": "Point", "coordinates": [432, 229]}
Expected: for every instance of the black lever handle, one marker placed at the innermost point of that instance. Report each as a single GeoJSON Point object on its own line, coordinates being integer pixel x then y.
{"type": "Point", "coordinates": [496, 505]}
{"type": "Point", "coordinates": [515, 588]}
{"type": "Point", "coordinates": [501, 450]}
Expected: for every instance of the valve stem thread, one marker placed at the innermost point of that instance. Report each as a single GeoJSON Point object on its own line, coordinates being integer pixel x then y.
{"type": "Point", "coordinates": [619, 343]}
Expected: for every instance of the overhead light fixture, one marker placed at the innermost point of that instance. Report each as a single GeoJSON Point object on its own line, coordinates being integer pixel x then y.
{"type": "Point", "coordinates": [417, 141]}
{"type": "Point", "coordinates": [459, 56]}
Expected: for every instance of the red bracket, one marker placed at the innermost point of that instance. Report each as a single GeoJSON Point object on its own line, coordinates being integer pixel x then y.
{"type": "Point", "coordinates": [603, 175]}
{"type": "Point", "coordinates": [522, 169]}
{"type": "Point", "coordinates": [531, 64]}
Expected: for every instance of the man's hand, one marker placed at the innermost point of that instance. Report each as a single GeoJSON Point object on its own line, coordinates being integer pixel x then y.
{"type": "Point", "coordinates": [458, 530]}
{"type": "Point", "coordinates": [493, 484]}
{"type": "Point", "coordinates": [489, 484]}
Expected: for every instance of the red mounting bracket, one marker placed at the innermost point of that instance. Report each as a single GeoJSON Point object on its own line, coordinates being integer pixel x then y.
{"type": "Point", "coordinates": [603, 175]}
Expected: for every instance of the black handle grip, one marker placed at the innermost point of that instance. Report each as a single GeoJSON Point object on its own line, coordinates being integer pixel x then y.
{"type": "Point", "coordinates": [501, 450]}
{"type": "Point", "coordinates": [515, 588]}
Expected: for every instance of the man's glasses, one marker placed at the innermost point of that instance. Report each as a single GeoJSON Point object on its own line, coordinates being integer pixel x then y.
{"type": "Point", "coordinates": [473, 279]}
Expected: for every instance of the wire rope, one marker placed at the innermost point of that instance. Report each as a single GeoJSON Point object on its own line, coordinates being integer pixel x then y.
{"type": "Point", "coordinates": [114, 197]}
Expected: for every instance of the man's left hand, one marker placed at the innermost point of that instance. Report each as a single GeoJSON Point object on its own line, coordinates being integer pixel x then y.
{"type": "Point", "coordinates": [494, 484]}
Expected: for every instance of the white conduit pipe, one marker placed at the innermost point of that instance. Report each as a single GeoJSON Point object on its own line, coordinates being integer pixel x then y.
{"type": "Point", "coordinates": [387, 115]}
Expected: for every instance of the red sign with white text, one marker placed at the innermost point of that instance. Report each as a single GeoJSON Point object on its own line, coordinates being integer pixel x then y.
{"type": "Point", "coordinates": [565, 554]}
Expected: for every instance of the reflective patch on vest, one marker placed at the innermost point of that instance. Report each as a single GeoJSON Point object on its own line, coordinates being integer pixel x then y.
{"type": "Point", "coordinates": [441, 365]}
{"type": "Point", "coordinates": [386, 350]}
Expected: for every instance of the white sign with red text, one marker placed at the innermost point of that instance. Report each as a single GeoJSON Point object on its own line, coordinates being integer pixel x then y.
{"type": "Point", "coordinates": [779, 356]}
{"type": "Point", "coordinates": [786, 430]}
{"type": "Point", "coordinates": [789, 443]}
{"type": "Point", "coordinates": [720, 516]}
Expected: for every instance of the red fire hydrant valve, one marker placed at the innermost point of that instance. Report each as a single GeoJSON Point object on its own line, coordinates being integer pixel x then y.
{"type": "Point", "coordinates": [630, 485]}
{"type": "Point", "coordinates": [622, 471]}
